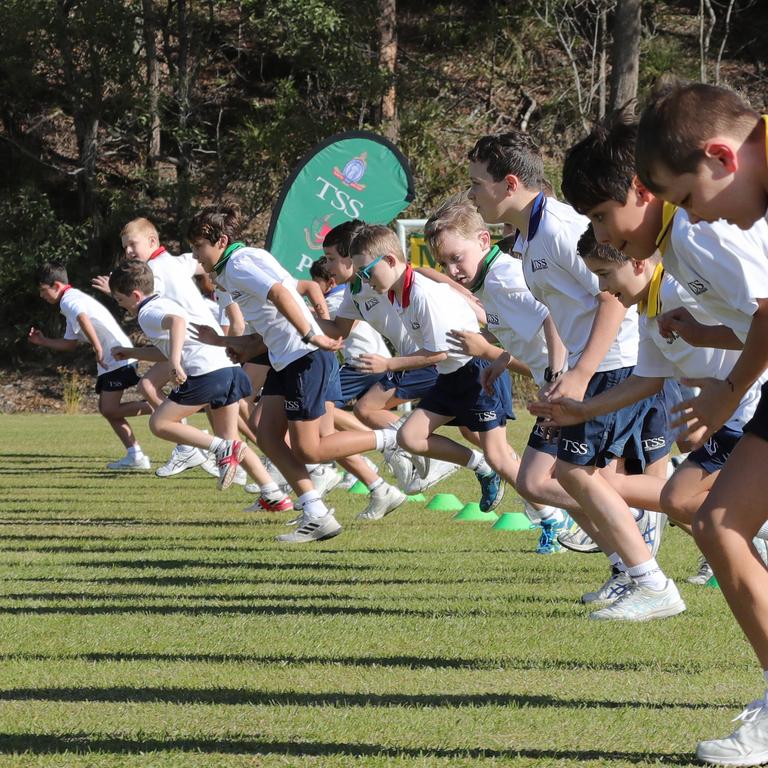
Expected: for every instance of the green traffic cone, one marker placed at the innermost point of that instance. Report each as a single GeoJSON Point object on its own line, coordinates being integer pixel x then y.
{"type": "Point", "coordinates": [713, 583]}
{"type": "Point", "coordinates": [444, 502]}
{"type": "Point", "coordinates": [512, 521]}
{"type": "Point", "coordinates": [472, 512]}
{"type": "Point", "coordinates": [359, 487]}
{"type": "Point", "coordinates": [416, 497]}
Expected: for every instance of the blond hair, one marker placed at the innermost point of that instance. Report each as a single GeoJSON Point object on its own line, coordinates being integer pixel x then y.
{"type": "Point", "coordinates": [141, 226]}
{"type": "Point", "coordinates": [456, 214]}
{"type": "Point", "coordinates": [374, 240]}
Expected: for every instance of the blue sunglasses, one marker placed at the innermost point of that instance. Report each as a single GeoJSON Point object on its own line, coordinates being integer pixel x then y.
{"type": "Point", "coordinates": [365, 272]}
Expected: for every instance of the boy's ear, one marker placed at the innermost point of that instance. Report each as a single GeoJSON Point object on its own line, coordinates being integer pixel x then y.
{"type": "Point", "coordinates": [484, 236]}
{"type": "Point", "coordinates": [222, 242]}
{"type": "Point", "coordinates": [642, 192]}
{"type": "Point", "coordinates": [513, 183]}
{"type": "Point", "coordinates": [724, 152]}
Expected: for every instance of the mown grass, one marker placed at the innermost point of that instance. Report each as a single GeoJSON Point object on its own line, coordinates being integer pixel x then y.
{"type": "Point", "coordinates": [148, 622]}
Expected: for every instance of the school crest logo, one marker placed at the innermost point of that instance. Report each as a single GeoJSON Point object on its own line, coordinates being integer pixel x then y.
{"type": "Point", "coordinates": [415, 325]}
{"type": "Point", "coordinates": [370, 304]}
{"type": "Point", "coordinates": [315, 234]}
{"type": "Point", "coordinates": [697, 287]}
{"type": "Point", "coordinates": [353, 171]}
{"type": "Point", "coordinates": [492, 319]}
{"type": "Point", "coordinates": [537, 264]}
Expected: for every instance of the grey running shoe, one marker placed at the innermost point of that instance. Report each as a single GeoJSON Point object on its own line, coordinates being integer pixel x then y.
{"type": "Point", "coordinates": [313, 529]}
{"type": "Point", "coordinates": [382, 503]}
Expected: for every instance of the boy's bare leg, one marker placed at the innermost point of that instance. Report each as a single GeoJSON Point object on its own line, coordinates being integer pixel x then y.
{"type": "Point", "coordinates": [347, 420]}
{"type": "Point", "coordinates": [724, 527]}
{"type": "Point", "coordinates": [417, 436]}
{"type": "Point", "coordinates": [497, 453]}
{"type": "Point", "coordinates": [312, 447]}
{"type": "Point", "coordinates": [116, 412]}
{"type": "Point", "coordinates": [471, 437]}
{"type": "Point", "coordinates": [152, 382]}
{"type": "Point", "coordinates": [374, 408]}
{"type": "Point", "coordinates": [685, 492]}
{"type": "Point", "coordinates": [642, 491]}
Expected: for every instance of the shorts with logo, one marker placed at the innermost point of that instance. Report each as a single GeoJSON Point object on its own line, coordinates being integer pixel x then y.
{"type": "Point", "coordinates": [655, 439]}
{"type": "Point", "coordinates": [217, 388]}
{"type": "Point", "coordinates": [460, 394]}
{"type": "Point", "coordinates": [598, 441]}
{"type": "Point", "coordinates": [543, 441]}
{"type": "Point", "coordinates": [354, 384]}
{"type": "Point", "coordinates": [410, 385]}
{"type": "Point", "coordinates": [121, 378]}
{"type": "Point", "coordinates": [711, 457]}
{"type": "Point", "coordinates": [304, 384]}
{"type": "Point", "coordinates": [758, 424]}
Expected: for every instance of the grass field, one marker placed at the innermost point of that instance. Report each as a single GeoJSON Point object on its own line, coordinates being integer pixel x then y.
{"type": "Point", "coordinates": [149, 622]}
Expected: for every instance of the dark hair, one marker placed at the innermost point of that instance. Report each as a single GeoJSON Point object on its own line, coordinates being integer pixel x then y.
{"type": "Point", "coordinates": [602, 165]}
{"type": "Point", "coordinates": [589, 248]}
{"type": "Point", "coordinates": [342, 235]}
{"type": "Point", "coordinates": [680, 118]}
{"type": "Point", "coordinates": [513, 153]}
{"type": "Point", "coordinates": [132, 275]}
{"type": "Point", "coordinates": [318, 270]}
{"type": "Point", "coordinates": [51, 272]}
{"type": "Point", "coordinates": [213, 221]}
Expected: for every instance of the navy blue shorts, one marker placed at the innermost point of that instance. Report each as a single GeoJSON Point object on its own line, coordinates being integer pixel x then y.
{"type": "Point", "coordinates": [354, 384]}
{"type": "Point", "coordinates": [758, 424]}
{"type": "Point", "coordinates": [711, 457]}
{"type": "Point", "coordinates": [460, 394]}
{"type": "Point", "coordinates": [262, 359]}
{"type": "Point", "coordinates": [655, 439]}
{"type": "Point", "coordinates": [597, 442]}
{"type": "Point", "coordinates": [119, 379]}
{"type": "Point", "coordinates": [410, 385]}
{"type": "Point", "coordinates": [304, 384]}
{"type": "Point", "coordinates": [217, 388]}
{"type": "Point", "coordinates": [538, 440]}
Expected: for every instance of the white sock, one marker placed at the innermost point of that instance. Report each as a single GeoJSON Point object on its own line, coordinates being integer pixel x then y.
{"type": "Point", "coordinates": [376, 484]}
{"type": "Point", "coordinates": [551, 513]}
{"type": "Point", "coordinates": [533, 514]}
{"type": "Point", "coordinates": [763, 532]}
{"type": "Point", "coordinates": [181, 448]}
{"type": "Point", "coordinates": [617, 563]}
{"type": "Point", "coordinates": [648, 574]}
{"type": "Point", "coordinates": [637, 513]}
{"type": "Point", "coordinates": [216, 443]}
{"type": "Point", "coordinates": [270, 491]}
{"type": "Point", "coordinates": [135, 451]}
{"type": "Point", "coordinates": [386, 438]}
{"type": "Point", "coordinates": [310, 467]}
{"type": "Point", "coordinates": [312, 505]}
{"type": "Point", "coordinates": [478, 463]}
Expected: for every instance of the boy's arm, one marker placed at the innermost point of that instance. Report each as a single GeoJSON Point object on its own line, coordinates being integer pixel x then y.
{"type": "Point", "coordinates": [422, 358]}
{"type": "Point", "coordinates": [564, 412]}
{"type": "Point", "coordinates": [682, 323]}
{"type": "Point", "coordinates": [101, 283]}
{"type": "Point", "coordinates": [703, 415]}
{"type": "Point", "coordinates": [557, 354]}
{"type": "Point", "coordinates": [236, 321]}
{"type": "Point", "coordinates": [152, 354]}
{"type": "Point", "coordinates": [86, 326]}
{"type": "Point", "coordinates": [608, 318]}
{"type": "Point", "coordinates": [287, 306]}
{"type": "Point", "coordinates": [341, 327]}
{"type": "Point", "coordinates": [177, 328]}
{"type": "Point", "coordinates": [38, 338]}
{"type": "Point", "coordinates": [474, 344]}
{"type": "Point", "coordinates": [311, 290]}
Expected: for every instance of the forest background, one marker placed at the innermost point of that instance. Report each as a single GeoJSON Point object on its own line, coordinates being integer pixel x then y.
{"type": "Point", "coordinates": [111, 109]}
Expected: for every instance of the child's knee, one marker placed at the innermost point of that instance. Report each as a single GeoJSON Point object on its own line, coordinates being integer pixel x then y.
{"type": "Point", "coordinates": [109, 411]}
{"type": "Point", "coordinates": [307, 455]}
{"type": "Point", "coordinates": [673, 503]}
{"type": "Point", "coordinates": [157, 425]}
{"type": "Point", "coordinates": [704, 528]}
{"type": "Point", "coordinates": [410, 442]}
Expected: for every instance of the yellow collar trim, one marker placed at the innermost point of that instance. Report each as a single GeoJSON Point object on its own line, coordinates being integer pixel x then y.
{"type": "Point", "coordinates": [652, 306]}
{"type": "Point", "coordinates": [668, 212]}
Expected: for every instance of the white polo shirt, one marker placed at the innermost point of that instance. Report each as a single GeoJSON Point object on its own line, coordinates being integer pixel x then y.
{"type": "Point", "coordinates": [377, 310]}
{"type": "Point", "coordinates": [558, 277]}
{"type": "Point", "coordinates": [675, 358]}
{"type": "Point", "coordinates": [363, 338]}
{"type": "Point", "coordinates": [73, 303]}
{"type": "Point", "coordinates": [249, 275]}
{"type": "Point", "coordinates": [429, 310]}
{"type": "Point", "coordinates": [197, 358]}
{"type": "Point", "coordinates": [174, 278]}
{"type": "Point", "coordinates": [514, 316]}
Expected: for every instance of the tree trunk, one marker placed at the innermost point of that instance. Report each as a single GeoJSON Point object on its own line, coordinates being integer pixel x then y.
{"type": "Point", "coordinates": [153, 82]}
{"type": "Point", "coordinates": [184, 167]}
{"type": "Point", "coordinates": [625, 56]}
{"type": "Point", "coordinates": [387, 28]}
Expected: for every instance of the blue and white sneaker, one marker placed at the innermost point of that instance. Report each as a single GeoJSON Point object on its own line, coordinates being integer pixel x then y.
{"type": "Point", "coordinates": [550, 528]}
{"type": "Point", "coordinates": [643, 604]}
{"type": "Point", "coordinates": [491, 491]}
{"type": "Point", "coordinates": [614, 587]}
{"type": "Point", "coordinates": [651, 525]}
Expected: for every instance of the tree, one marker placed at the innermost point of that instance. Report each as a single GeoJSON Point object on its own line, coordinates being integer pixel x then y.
{"type": "Point", "coordinates": [625, 52]}
{"type": "Point", "coordinates": [386, 25]}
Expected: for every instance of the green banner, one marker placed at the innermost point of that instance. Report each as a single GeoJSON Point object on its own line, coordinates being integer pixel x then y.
{"type": "Point", "coordinates": [353, 175]}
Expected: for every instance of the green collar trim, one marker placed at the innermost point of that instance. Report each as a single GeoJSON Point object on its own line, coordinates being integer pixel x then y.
{"type": "Point", "coordinates": [228, 251]}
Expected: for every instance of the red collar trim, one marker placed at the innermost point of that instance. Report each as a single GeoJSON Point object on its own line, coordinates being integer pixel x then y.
{"type": "Point", "coordinates": [408, 278]}
{"type": "Point", "coordinates": [157, 252]}
{"type": "Point", "coordinates": [64, 290]}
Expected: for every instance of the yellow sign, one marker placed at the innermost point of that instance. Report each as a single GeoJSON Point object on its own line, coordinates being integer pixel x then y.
{"type": "Point", "coordinates": [418, 252]}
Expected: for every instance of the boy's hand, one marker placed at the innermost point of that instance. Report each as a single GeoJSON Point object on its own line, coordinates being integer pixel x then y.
{"type": "Point", "coordinates": [120, 353]}
{"type": "Point", "coordinates": [561, 413]}
{"type": "Point", "coordinates": [205, 334]}
{"type": "Point", "coordinates": [101, 283]}
{"type": "Point", "coordinates": [492, 372]}
{"type": "Point", "coordinates": [571, 385]}
{"type": "Point", "coordinates": [679, 322]}
{"type": "Point", "coordinates": [178, 374]}
{"type": "Point", "coordinates": [36, 337]}
{"type": "Point", "coordinates": [372, 364]}
{"type": "Point", "coordinates": [704, 414]}
{"type": "Point", "coordinates": [99, 357]}
{"type": "Point", "coordinates": [321, 341]}
{"type": "Point", "coordinates": [235, 355]}
{"type": "Point", "coordinates": [467, 342]}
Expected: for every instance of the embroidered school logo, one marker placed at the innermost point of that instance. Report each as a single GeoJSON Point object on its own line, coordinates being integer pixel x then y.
{"type": "Point", "coordinates": [711, 446]}
{"type": "Point", "coordinates": [292, 405]}
{"type": "Point", "coordinates": [315, 234]}
{"type": "Point", "coordinates": [415, 325]}
{"type": "Point", "coordinates": [485, 416]}
{"type": "Point", "coordinates": [537, 264]}
{"type": "Point", "coordinates": [492, 319]}
{"type": "Point", "coordinates": [571, 446]}
{"type": "Point", "coordinates": [353, 172]}
{"type": "Point", "coordinates": [654, 443]}
{"type": "Point", "coordinates": [370, 304]}
{"type": "Point", "coordinates": [236, 295]}
{"type": "Point", "coordinates": [697, 287]}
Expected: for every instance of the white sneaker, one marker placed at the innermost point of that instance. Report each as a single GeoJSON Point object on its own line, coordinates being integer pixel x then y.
{"type": "Point", "coordinates": [347, 481]}
{"type": "Point", "coordinates": [209, 465]}
{"type": "Point", "coordinates": [382, 503]}
{"type": "Point", "coordinates": [614, 587]}
{"type": "Point", "coordinates": [399, 461]}
{"type": "Point", "coordinates": [747, 745]}
{"type": "Point", "coordinates": [438, 471]}
{"type": "Point", "coordinates": [228, 457]}
{"type": "Point", "coordinates": [703, 575]}
{"type": "Point", "coordinates": [762, 548]}
{"type": "Point", "coordinates": [651, 525]}
{"type": "Point", "coordinates": [643, 604]}
{"type": "Point", "coordinates": [241, 477]}
{"type": "Point", "coordinates": [252, 488]}
{"type": "Point", "coordinates": [577, 539]}
{"type": "Point", "coordinates": [313, 529]}
{"type": "Point", "coordinates": [182, 457]}
{"type": "Point", "coordinates": [129, 462]}
{"type": "Point", "coordinates": [325, 478]}
{"type": "Point", "coordinates": [275, 474]}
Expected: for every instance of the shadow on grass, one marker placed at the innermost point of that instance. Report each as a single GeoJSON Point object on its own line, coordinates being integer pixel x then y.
{"type": "Point", "coordinates": [408, 662]}
{"type": "Point", "coordinates": [239, 696]}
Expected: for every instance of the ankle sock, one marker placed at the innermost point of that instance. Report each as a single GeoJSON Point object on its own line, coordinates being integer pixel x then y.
{"type": "Point", "coordinates": [216, 443]}
{"type": "Point", "coordinates": [312, 505]}
{"type": "Point", "coordinates": [376, 484]}
{"type": "Point", "coordinates": [271, 492]}
{"type": "Point", "coordinates": [648, 574]}
{"type": "Point", "coordinates": [386, 438]}
{"type": "Point", "coordinates": [617, 563]}
{"type": "Point", "coordinates": [135, 451]}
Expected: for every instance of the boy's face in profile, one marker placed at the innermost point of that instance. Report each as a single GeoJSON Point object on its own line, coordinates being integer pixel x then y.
{"type": "Point", "coordinates": [208, 253]}
{"type": "Point", "coordinates": [488, 195]}
{"type": "Point", "coordinates": [342, 269]}
{"type": "Point", "coordinates": [377, 271]}
{"type": "Point", "coordinates": [49, 293]}
{"type": "Point", "coordinates": [460, 256]}
{"type": "Point", "coordinates": [138, 244]}
{"type": "Point", "coordinates": [128, 301]}
{"type": "Point", "coordinates": [628, 281]}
